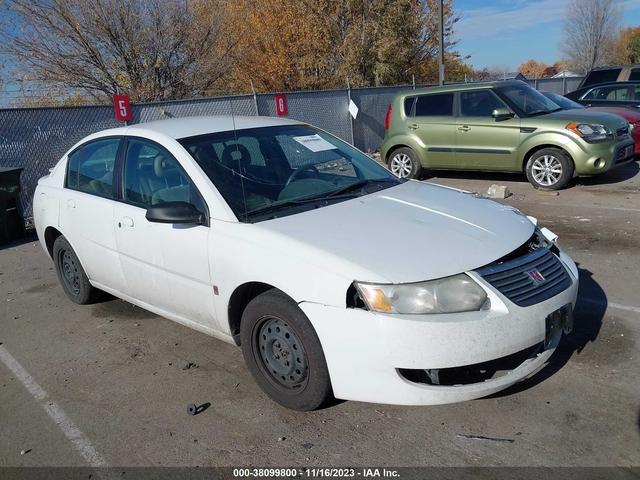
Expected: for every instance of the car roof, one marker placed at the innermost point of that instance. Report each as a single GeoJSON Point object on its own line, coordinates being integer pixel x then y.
{"type": "Point", "coordinates": [607, 84]}
{"type": "Point", "coordinates": [613, 67]}
{"type": "Point", "coordinates": [192, 126]}
{"type": "Point", "coordinates": [455, 87]}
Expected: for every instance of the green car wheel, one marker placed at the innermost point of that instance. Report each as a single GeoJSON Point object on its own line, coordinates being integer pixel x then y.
{"type": "Point", "coordinates": [404, 163]}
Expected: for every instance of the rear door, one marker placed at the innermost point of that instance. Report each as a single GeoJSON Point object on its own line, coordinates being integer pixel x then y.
{"type": "Point", "coordinates": [483, 142]}
{"type": "Point", "coordinates": [431, 119]}
{"type": "Point", "coordinates": [86, 211]}
{"type": "Point", "coordinates": [164, 265]}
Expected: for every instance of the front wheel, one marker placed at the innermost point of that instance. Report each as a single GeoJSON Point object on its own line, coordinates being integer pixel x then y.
{"type": "Point", "coordinates": [71, 275]}
{"type": "Point", "coordinates": [404, 163]}
{"type": "Point", "coordinates": [549, 169]}
{"type": "Point", "coordinates": [283, 352]}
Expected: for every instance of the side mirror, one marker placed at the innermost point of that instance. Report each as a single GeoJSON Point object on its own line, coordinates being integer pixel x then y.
{"type": "Point", "coordinates": [175, 212]}
{"type": "Point", "coordinates": [502, 114]}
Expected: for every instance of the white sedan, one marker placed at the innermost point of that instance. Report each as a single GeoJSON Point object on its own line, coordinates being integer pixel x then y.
{"type": "Point", "coordinates": [335, 277]}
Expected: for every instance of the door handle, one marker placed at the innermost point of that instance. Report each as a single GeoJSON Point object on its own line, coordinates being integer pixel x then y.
{"type": "Point", "coordinates": [413, 126]}
{"type": "Point", "coordinates": [464, 128]}
{"type": "Point", "coordinates": [71, 203]}
{"type": "Point", "coordinates": [125, 222]}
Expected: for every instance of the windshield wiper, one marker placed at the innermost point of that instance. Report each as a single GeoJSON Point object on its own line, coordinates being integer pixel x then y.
{"type": "Point", "coordinates": [544, 112]}
{"type": "Point", "coordinates": [295, 201]}
{"type": "Point", "coordinates": [357, 185]}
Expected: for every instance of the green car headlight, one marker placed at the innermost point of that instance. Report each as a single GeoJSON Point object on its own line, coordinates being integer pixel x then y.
{"type": "Point", "coordinates": [590, 132]}
{"type": "Point", "coordinates": [459, 293]}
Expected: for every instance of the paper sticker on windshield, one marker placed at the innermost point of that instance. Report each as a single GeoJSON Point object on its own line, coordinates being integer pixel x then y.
{"type": "Point", "coordinates": [315, 143]}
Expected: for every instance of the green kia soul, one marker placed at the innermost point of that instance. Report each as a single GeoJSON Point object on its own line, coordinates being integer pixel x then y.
{"type": "Point", "coordinates": [501, 126]}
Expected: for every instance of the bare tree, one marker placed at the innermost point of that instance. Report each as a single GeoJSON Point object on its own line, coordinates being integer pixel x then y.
{"type": "Point", "coordinates": [590, 29]}
{"type": "Point", "coordinates": [151, 49]}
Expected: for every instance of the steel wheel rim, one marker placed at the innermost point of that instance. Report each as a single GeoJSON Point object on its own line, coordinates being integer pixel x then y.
{"type": "Point", "coordinates": [401, 165]}
{"type": "Point", "coordinates": [546, 170]}
{"type": "Point", "coordinates": [70, 271]}
{"type": "Point", "coordinates": [280, 354]}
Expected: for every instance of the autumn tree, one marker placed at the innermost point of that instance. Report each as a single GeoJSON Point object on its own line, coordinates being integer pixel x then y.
{"type": "Point", "coordinates": [299, 44]}
{"type": "Point", "coordinates": [533, 69]}
{"type": "Point", "coordinates": [627, 46]}
{"type": "Point", "coordinates": [152, 49]}
{"type": "Point", "coordinates": [590, 29]}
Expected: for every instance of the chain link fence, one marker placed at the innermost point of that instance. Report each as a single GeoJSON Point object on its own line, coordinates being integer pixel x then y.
{"type": "Point", "coordinates": [35, 139]}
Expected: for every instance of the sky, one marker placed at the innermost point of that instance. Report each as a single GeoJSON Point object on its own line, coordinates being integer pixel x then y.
{"type": "Point", "coordinates": [507, 33]}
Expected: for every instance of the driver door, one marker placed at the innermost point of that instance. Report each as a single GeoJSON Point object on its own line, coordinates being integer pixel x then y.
{"type": "Point", "coordinates": [164, 265]}
{"type": "Point", "coordinates": [483, 142]}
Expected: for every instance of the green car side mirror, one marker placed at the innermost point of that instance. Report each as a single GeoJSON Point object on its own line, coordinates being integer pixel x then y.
{"type": "Point", "coordinates": [502, 114]}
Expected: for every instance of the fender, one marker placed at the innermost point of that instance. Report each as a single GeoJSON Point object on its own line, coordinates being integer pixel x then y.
{"type": "Point", "coordinates": [405, 140]}
{"type": "Point", "coordinates": [544, 138]}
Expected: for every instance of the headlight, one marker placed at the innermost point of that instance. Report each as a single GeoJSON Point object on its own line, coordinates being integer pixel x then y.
{"type": "Point", "coordinates": [446, 295]}
{"type": "Point", "coordinates": [590, 132]}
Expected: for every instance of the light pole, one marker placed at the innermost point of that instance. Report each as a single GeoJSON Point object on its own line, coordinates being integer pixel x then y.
{"type": "Point", "coordinates": [441, 40]}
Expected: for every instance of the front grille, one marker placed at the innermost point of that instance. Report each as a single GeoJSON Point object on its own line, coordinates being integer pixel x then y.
{"type": "Point", "coordinates": [622, 132]}
{"type": "Point", "coordinates": [511, 278]}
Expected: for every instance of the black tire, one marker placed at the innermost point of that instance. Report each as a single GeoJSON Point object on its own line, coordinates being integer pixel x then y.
{"type": "Point", "coordinates": [71, 275]}
{"type": "Point", "coordinates": [404, 163]}
{"type": "Point", "coordinates": [283, 352]}
{"type": "Point", "coordinates": [555, 159]}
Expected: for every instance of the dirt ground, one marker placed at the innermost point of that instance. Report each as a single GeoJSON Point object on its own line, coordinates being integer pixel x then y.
{"type": "Point", "coordinates": [118, 372]}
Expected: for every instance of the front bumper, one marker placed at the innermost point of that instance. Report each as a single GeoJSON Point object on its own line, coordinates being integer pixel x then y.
{"type": "Point", "coordinates": [365, 350]}
{"type": "Point", "coordinates": [595, 158]}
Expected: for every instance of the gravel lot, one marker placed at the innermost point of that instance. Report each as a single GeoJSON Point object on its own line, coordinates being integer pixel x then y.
{"type": "Point", "coordinates": [118, 372]}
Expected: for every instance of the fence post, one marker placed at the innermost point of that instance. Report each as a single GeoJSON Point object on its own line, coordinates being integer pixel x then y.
{"type": "Point", "coordinates": [349, 113]}
{"type": "Point", "coordinates": [255, 98]}
{"type": "Point", "coordinates": [564, 85]}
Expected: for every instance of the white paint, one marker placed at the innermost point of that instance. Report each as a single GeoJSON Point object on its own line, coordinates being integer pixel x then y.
{"type": "Point", "coordinates": [407, 233]}
{"type": "Point", "coordinates": [431, 210]}
{"type": "Point", "coordinates": [64, 423]}
{"type": "Point", "coordinates": [618, 306]}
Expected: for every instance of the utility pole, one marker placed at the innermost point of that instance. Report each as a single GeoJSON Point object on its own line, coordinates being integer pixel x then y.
{"type": "Point", "coordinates": [441, 38]}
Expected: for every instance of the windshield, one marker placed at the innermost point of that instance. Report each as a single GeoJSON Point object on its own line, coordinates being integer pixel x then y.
{"type": "Point", "coordinates": [270, 172]}
{"type": "Point", "coordinates": [564, 102]}
{"type": "Point", "coordinates": [526, 101]}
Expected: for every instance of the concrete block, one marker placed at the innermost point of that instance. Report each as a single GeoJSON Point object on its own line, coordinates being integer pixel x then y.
{"type": "Point", "coordinates": [498, 191]}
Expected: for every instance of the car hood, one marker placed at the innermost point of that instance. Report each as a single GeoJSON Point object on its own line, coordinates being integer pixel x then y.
{"type": "Point", "coordinates": [583, 115]}
{"type": "Point", "coordinates": [408, 233]}
{"type": "Point", "coordinates": [630, 115]}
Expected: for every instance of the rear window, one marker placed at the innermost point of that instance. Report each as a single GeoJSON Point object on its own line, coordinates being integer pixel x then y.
{"type": "Point", "coordinates": [434, 105]}
{"type": "Point", "coordinates": [635, 74]}
{"type": "Point", "coordinates": [601, 76]}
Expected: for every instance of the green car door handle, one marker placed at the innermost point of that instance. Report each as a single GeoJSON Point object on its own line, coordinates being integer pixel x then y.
{"type": "Point", "coordinates": [413, 126]}
{"type": "Point", "coordinates": [464, 128]}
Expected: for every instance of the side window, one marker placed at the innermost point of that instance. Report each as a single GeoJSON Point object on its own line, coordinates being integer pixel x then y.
{"type": "Point", "coordinates": [440, 104]}
{"type": "Point", "coordinates": [90, 168]}
{"type": "Point", "coordinates": [408, 106]}
{"type": "Point", "coordinates": [480, 103]}
{"type": "Point", "coordinates": [608, 93]}
{"type": "Point", "coordinates": [634, 76]}
{"type": "Point", "coordinates": [152, 175]}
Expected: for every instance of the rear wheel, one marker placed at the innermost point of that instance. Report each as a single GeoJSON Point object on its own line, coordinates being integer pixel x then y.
{"type": "Point", "coordinates": [549, 169]}
{"type": "Point", "coordinates": [404, 163]}
{"type": "Point", "coordinates": [71, 275]}
{"type": "Point", "coordinates": [283, 352]}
